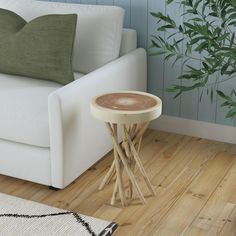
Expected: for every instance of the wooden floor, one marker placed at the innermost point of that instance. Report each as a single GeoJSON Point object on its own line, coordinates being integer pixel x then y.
{"type": "Point", "coordinates": [195, 182]}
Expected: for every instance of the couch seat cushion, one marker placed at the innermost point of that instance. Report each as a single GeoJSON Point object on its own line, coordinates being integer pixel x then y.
{"type": "Point", "coordinates": [24, 109]}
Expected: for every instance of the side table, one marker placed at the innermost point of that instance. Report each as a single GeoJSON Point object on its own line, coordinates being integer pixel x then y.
{"type": "Point", "coordinates": [132, 111]}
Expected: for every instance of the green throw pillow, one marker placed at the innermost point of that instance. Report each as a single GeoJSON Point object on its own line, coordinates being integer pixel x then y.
{"type": "Point", "coordinates": [41, 49]}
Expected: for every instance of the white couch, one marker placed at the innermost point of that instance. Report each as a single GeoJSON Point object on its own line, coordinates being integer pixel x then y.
{"type": "Point", "coordinates": [47, 134]}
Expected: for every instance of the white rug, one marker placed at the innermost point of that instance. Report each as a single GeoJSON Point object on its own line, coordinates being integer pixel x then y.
{"type": "Point", "coordinates": [20, 217]}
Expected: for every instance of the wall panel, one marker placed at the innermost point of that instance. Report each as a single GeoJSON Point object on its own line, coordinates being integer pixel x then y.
{"type": "Point", "coordinates": [172, 106]}
{"type": "Point", "coordinates": [155, 64]}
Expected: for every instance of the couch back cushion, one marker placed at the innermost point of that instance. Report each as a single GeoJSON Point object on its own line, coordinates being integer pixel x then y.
{"type": "Point", "coordinates": [99, 29]}
{"type": "Point", "coordinates": [128, 42]}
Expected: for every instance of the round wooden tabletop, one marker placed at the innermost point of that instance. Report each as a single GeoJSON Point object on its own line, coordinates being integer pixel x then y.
{"type": "Point", "coordinates": [126, 107]}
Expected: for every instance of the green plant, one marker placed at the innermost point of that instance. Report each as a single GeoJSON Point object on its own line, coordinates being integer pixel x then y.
{"type": "Point", "coordinates": [208, 36]}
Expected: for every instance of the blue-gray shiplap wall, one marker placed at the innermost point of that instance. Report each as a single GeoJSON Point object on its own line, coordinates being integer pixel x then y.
{"type": "Point", "coordinates": [162, 74]}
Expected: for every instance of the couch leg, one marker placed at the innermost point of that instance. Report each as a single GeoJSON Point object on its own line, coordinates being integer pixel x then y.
{"type": "Point", "coordinates": [53, 188]}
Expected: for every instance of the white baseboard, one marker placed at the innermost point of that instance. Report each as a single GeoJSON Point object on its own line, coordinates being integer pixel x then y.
{"type": "Point", "coordinates": [195, 128]}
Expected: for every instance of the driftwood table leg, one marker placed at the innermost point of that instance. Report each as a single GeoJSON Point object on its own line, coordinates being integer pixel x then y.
{"type": "Point", "coordinates": [113, 198]}
{"type": "Point", "coordinates": [128, 152]}
{"type": "Point", "coordinates": [108, 176]}
{"type": "Point", "coordinates": [118, 166]}
{"type": "Point", "coordinates": [135, 132]}
{"type": "Point", "coordinates": [138, 162]}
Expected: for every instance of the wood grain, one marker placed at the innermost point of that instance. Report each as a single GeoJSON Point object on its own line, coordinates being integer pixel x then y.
{"type": "Point", "coordinates": [194, 181]}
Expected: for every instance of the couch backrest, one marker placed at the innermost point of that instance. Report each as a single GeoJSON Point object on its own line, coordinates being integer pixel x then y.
{"type": "Point", "coordinates": [128, 42]}
{"type": "Point", "coordinates": [99, 29]}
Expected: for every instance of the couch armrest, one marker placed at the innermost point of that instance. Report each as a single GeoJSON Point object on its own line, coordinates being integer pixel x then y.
{"type": "Point", "coordinates": [77, 140]}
